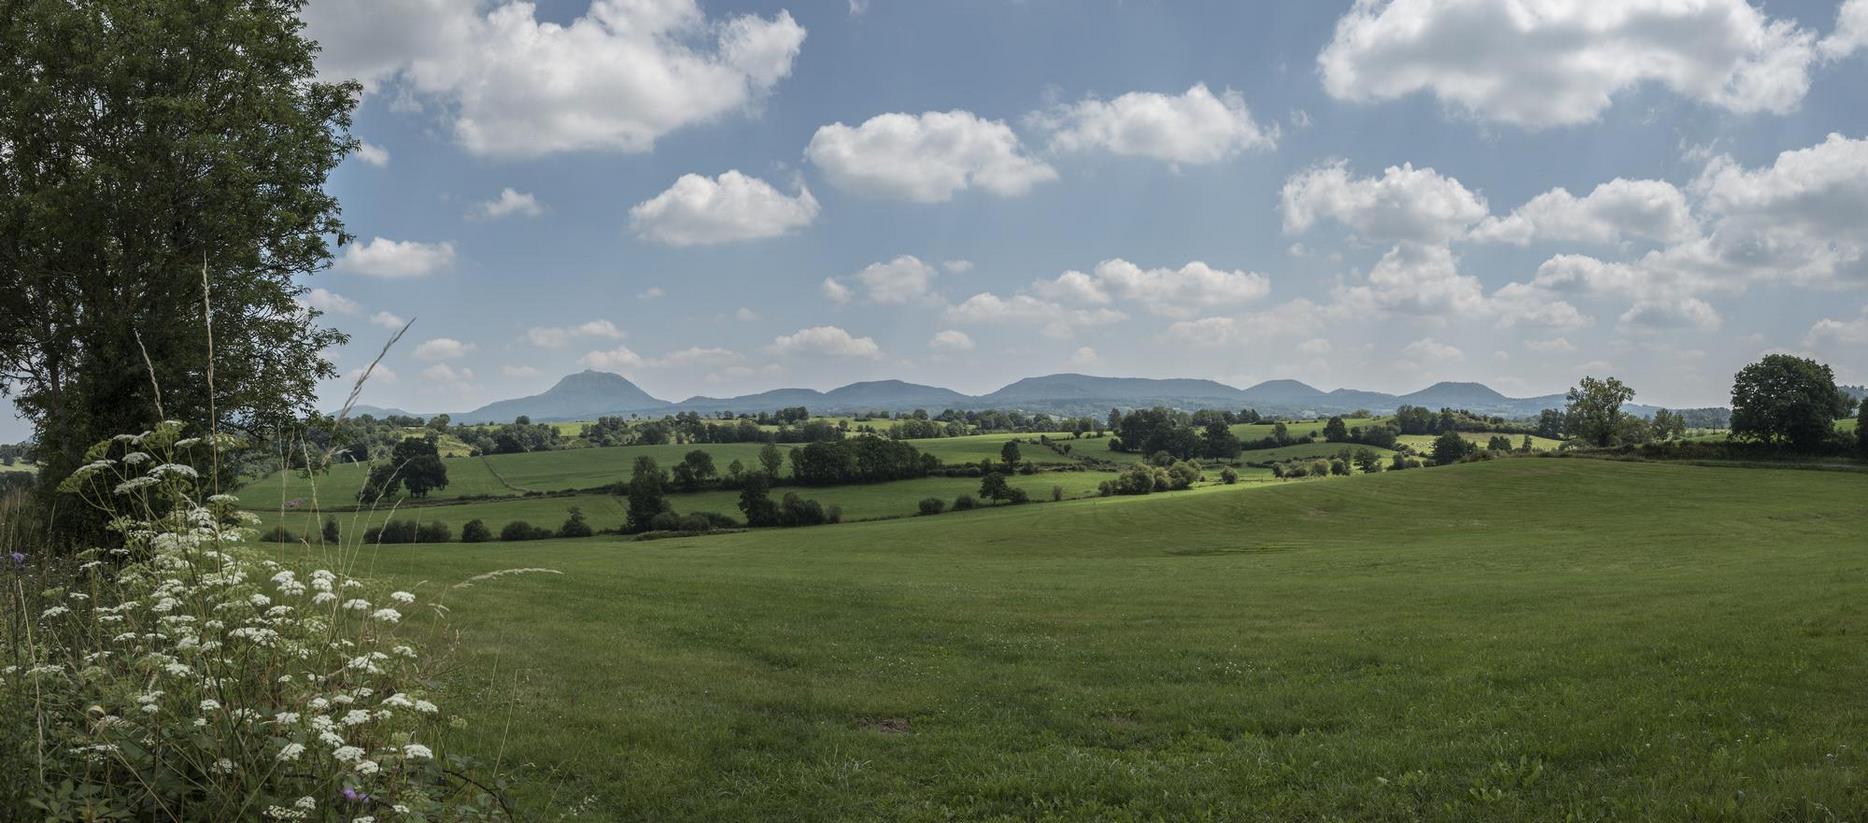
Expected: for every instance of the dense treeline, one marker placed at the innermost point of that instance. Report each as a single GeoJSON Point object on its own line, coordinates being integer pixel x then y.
{"type": "Point", "coordinates": [865, 459]}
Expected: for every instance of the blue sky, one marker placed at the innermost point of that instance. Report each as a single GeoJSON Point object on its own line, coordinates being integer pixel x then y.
{"type": "Point", "coordinates": [1351, 194]}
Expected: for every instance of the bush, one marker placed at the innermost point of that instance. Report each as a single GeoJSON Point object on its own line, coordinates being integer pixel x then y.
{"type": "Point", "coordinates": [665, 522]}
{"type": "Point", "coordinates": [797, 511]}
{"type": "Point", "coordinates": [219, 724]}
{"type": "Point", "coordinates": [1057, 493]}
{"type": "Point", "coordinates": [1229, 475]}
{"type": "Point", "coordinates": [932, 505]}
{"type": "Point", "coordinates": [963, 503]}
{"type": "Point", "coordinates": [330, 533]}
{"type": "Point", "coordinates": [434, 531]}
{"type": "Point", "coordinates": [1016, 496]}
{"type": "Point", "coordinates": [694, 523]}
{"type": "Point", "coordinates": [575, 525]}
{"type": "Point", "coordinates": [521, 530]}
{"type": "Point", "coordinates": [475, 532]}
{"type": "Point", "coordinates": [277, 534]}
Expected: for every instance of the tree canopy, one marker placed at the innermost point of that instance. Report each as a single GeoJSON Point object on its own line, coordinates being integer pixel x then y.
{"type": "Point", "coordinates": [164, 164]}
{"type": "Point", "coordinates": [1787, 400]}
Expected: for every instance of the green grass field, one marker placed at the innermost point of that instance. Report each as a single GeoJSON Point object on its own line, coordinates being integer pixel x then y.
{"type": "Point", "coordinates": [1424, 442]}
{"type": "Point", "coordinates": [858, 502]}
{"type": "Point", "coordinates": [1518, 639]}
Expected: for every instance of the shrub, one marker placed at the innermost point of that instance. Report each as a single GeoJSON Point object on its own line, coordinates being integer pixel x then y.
{"type": "Point", "coordinates": [475, 532]}
{"type": "Point", "coordinates": [932, 505]}
{"type": "Point", "coordinates": [694, 523]}
{"type": "Point", "coordinates": [716, 520]}
{"type": "Point", "coordinates": [665, 522]}
{"type": "Point", "coordinates": [521, 530]}
{"type": "Point", "coordinates": [330, 533]}
{"type": "Point", "coordinates": [1339, 467]}
{"type": "Point", "coordinates": [1105, 488]}
{"type": "Point", "coordinates": [575, 525]}
{"type": "Point", "coordinates": [797, 511]}
{"type": "Point", "coordinates": [196, 677]}
{"type": "Point", "coordinates": [277, 534]}
{"type": "Point", "coordinates": [1229, 475]}
{"type": "Point", "coordinates": [963, 503]}
{"type": "Point", "coordinates": [1016, 496]}
{"type": "Point", "coordinates": [1057, 493]}
{"type": "Point", "coordinates": [434, 531]}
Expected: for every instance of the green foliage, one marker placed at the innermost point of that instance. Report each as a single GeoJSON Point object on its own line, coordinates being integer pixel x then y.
{"type": "Point", "coordinates": [964, 502]}
{"type": "Point", "coordinates": [1335, 431]}
{"type": "Point", "coordinates": [1593, 410]}
{"type": "Point", "coordinates": [994, 487]}
{"type": "Point", "coordinates": [154, 151]}
{"type": "Point", "coordinates": [755, 502]}
{"type": "Point", "coordinates": [1229, 475]}
{"type": "Point", "coordinates": [520, 530]}
{"type": "Point", "coordinates": [932, 505]}
{"type": "Point", "coordinates": [1450, 448]}
{"type": "Point", "coordinates": [645, 494]}
{"type": "Point", "coordinates": [1787, 400]}
{"type": "Point", "coordinates": [694, 470]}
{"type": "Point", "coordinates": [575, 525]}
{"type": "Point", "coordinates": [184, 676]}
{"type": "Point", "coordinates": [1009, 454]}
{"type": "Point", "coordinates": [475, 532]}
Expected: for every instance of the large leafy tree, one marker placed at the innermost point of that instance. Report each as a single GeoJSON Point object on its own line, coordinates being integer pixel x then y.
{"type": "Point", "coordinates": [162, 164]}
{"type": "Point", "coordinates": [1593, 411]}
{"type": "Point", "coordinates": [1787, 400]}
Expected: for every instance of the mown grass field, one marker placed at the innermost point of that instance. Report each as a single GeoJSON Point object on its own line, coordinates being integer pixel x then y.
{"type": "Point", "coordinates": [1517, 639]}
{"type": "Point", "coordinates": [1424, 442]}
{"type": "Point", "coordinates": [858, 502]}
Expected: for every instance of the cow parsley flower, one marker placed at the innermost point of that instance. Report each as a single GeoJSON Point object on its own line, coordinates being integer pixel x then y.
{"type": "Point", "coordinates": [402, 597]}
{"type": "Point", "coordinates": [386, 616]}
{"type": "Point", "coordinates": [417, 751]}
{"type": "Point", "coordinates": [347, 754]}
{"type": "Point", "coordinates": [291, 752]}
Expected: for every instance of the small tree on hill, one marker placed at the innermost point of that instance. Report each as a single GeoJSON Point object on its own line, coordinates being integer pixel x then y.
{"type": "Point", "coordinates": [475, 532]}
{"type": "Point", "coordinates": [1335, 431]}
{"type": "Point", "coordinates": [645, 494]}
{"type": "Point", "coordinates": [1450, 448]}
{"type": "Point", "coordinates": [1787, 400]}
{"type": "Point", "coordinates": [755, 502]}
{"type": "Point", "coordinates": [1593, 411]}
{"type": "Point", "coordinates": [1009, 453]}
{"type": "Point", "coordinates": [330, 533]}
{"type": "Point", "coordinates": [771, 460]}
{"type": "Point", "coordinates": [575, 525]}
{"type": "Point", "coordinates": [994, 487]}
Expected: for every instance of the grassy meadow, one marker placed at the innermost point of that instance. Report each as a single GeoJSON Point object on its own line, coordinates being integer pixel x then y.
{"type": "Point", "coordinates": [1445, 643]}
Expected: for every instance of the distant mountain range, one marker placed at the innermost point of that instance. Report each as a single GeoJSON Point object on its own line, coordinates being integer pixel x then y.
{"type": "Point", "coordinates": [590, 394]}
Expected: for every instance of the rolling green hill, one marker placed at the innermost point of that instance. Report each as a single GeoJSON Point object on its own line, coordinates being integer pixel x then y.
{"type": "Point", "coordinates": [1517, 639]}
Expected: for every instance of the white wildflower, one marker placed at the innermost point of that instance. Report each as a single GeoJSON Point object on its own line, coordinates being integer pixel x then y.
{"type": "Point", "coordinates": [402, 597]}
{"type": "Point", "coordinates": [291, 752]}
{"type": "Point", "coordinates": [356, 717]}
{"type": "Point", "coordinates": [357, 604]}
{"type": "Point", "coordinates": [386, 616]}
{"type": "Point", "coordinates": [347, 754]}
{"type": "Point", "coordinates": [417, 751]}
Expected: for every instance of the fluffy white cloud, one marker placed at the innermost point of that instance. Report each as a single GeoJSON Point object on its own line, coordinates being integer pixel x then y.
{"type": "Point", "coordinates": [1678, 313]}
{"type": "Point", "coordinates": [1615, 211]}
{"type": "Point", "coordinates": [925, 157]}
{"type": "Point", "coordinates": [372, 154]}
{"type": "Point", "coordinates": [1526, 304]}
{"type": "Point", "coordinates": [1191, 128]}
{"type": "Point", "coordinates": [1054, 320]}
{"type": "Point", "coordinates": [387, 320]}
{"type": "Point", "coordinates": [330, 302]}
{"type": "Point", "coordinates": [1405, 203]}
{"type": "Point", "coordinates": [1797, 219]}
{"type": "Point", "coordinates": [830, 341]}
{"type": "Point", "coordinates": [651, 293]}
{"type": "Point", "coordinates": [745, 315]}
{"type": "Point", "coordinates": [1851, 31]}
{"type": "Point", "coordinates": [957, 266]}
{"type": "Point", "coordinates": [1296, 318]}
{"type": "Point", "coordinates": [1829, 330]}
{"type": "Point", "coordinates": [443, 348]}
{"type": "Point", "coordinates": [1415, 278]}
{"type": "Point", "coordinates": [617, 78]}
{"type": "Point", "coordinates": [519, 371]}
{"type": "Point", "coordinates": [382, 257]}
{"type": "Point", "coordinates": [699, 210]}
{"type": "Point", "coordinates": [510, 202]}
{"type": "Point", "coordinates": [448, 375]}
{"type": "Point", "coordinates": [1084, 356]}
{"type": "Point", "coordinates": [615, 359]}
{"type": "Point", "coordinates": [380, 374]}
{"type": "Point", "coordinates": [1167, 292]}
{"type": "Point", "coordinates": [552, 337]}
{"type": "Point", "coordinates": [951, 340]}
{"type": "Point", "coordinates": [1429, 350]}
{"type": "Point", "coordinates": [1540, 64]}
{"type": "Point", "coordinates": [897, 281]}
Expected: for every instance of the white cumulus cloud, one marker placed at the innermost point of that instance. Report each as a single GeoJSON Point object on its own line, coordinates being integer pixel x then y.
{"type": "Point", "coordinates": [951, 340]}
{"type": "Point", "coordinates": [443, 348]}
{"type": "Point", "coordinates": [1543, 64]}
{"type": "Point", "coordinates": [382, 257]}
{"type": "Point", "coordinates": [615, 359]}
{"type": "Point", "coordinates": [896, 281]}
{"type": "Point", "coordinates": [509, 203]}
{"type": "Point", "coordinates": [1615, 211]}
{"type": "Point", "coordinates": [829, 341]}
{"type": "Point", "coordinates": [1405, 203]}
{"type": "Point", "coordinates": [699, 210]}
{"type": "Point", "coordinates": [1191, 128]}
{"type": "Point", "coordinates": [552, 337]}
{"type": "Point", "coordinates": [927, 157]}
{"type": "Point", "coordinates": [616, 78]}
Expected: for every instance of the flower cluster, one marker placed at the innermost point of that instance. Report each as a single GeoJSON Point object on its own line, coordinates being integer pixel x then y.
{"type": "Point", "coordinates": [184, 675]}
